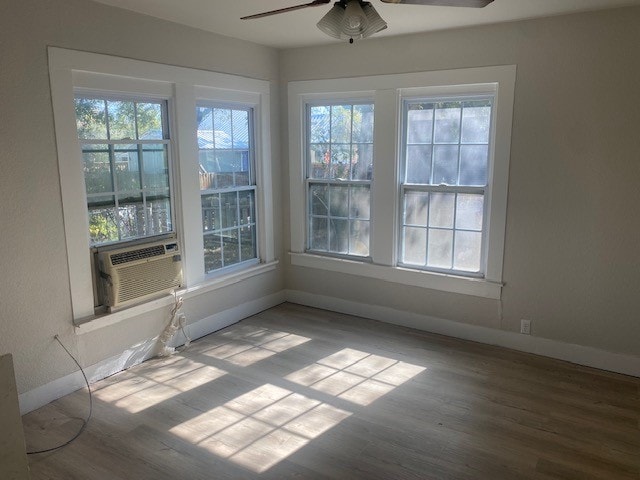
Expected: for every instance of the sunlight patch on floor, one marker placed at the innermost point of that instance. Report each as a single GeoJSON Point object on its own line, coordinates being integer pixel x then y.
{"type": "Point", "coordinates": [356, 376]}
{"type": "Point", "coordinates": [246, 345]}
{"type": "Point", "coordinates": [262, 427]}
{"type": "Point", "coordinates": [148, 387]}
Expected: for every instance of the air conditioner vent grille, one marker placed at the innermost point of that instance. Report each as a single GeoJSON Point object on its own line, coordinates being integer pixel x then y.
{"type": "Point", "coordinates": [139, 254]}
{"type": "Point", "coordinates": [143, 279]}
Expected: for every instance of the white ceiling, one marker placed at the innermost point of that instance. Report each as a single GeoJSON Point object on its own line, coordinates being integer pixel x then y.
{"type": "Point", "coordinates": [297, 28]}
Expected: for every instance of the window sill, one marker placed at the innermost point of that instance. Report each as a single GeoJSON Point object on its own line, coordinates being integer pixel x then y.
{"type": "Point", "coordinates": [90, 324]}
{"type": "Point", "coordinates": [436, 281]}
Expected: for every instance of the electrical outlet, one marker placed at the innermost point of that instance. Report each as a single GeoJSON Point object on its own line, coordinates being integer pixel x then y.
{"type": "Point", "coordinates": [525, 326]}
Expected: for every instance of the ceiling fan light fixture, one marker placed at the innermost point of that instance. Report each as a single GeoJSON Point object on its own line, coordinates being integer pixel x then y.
{"type": "Point", "coordinates": [331, 23]}
{"type": "Point", "coordinates": [354, 20]}
{"type": "Point", "coordinates": [374, 20]}
{"type": "Point", "coordinates": [349, 19]}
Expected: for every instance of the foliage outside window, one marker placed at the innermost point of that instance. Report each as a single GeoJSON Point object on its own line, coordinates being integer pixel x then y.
{"type": "Point", "coordinates": [446, 151]}
{"type": "Point", "coordinates": [227, 185]}
{"type": "Point", "coordinates": [339, 175]}
{"type": "Point", "coordinates": [125, 153]}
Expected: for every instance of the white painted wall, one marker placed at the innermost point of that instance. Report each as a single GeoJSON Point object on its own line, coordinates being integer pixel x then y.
{"type": "Point", "coordinates": [571, 262]}
{"type": "Point", "coordinates": [35, 299]}
{"type": "Point", "coordinates": [572, 257]}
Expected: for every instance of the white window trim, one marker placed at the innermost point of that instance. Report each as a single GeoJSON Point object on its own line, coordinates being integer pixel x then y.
{"type": "Point", "coordinates": [182, 87]}
{"type": "Point", "coordinates": [388, 91]}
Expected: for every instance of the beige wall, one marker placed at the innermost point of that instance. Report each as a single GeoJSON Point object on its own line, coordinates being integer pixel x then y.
{"type": "Point", "coordinates": [572, 257]}
{"type": "Point", "coordinates": [34, 291]}
{"type": "Point", "coordinates": [571, 261]}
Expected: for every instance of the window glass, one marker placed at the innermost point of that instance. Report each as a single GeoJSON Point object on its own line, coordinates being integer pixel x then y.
{"type": "Point", "coordinates": [227, 187]}
{"type": "Point", "coordinates": [445, 176]}
{"type": "Point", "coordinates": [125, 152]}
{"type": "Point", "coordinates": [339, 173]}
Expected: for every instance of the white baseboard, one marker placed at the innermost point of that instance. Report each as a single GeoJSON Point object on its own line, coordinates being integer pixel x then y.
{"type": "Point", "coordinates": [579, 354]}
{"type": "Point", "coordinates": [136, 354]}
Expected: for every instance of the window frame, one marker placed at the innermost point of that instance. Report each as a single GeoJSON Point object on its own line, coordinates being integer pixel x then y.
{"type": "Point", "coordinates": [182, 87]}
{"type": "Point", "coordinates": [252, 186]}
{"type": "Point", "coordinates": [166, 140]}
{"type": "Point", "coordinates": [331, 101]}
{"type": "Point", "coordinates": [388, 92]}
{"type": "Point", "coordinates": [454, 189]}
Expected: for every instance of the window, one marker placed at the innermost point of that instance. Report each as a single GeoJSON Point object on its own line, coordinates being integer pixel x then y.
{"type": "Point", "coordinates": [129, 142]}
{"type": "Point", "coordinates": [445, 162]}
{"type": "Point", "coordinates": [227, 185]}
{"type": "Point", "coordinates": [436, 195]}
{"type": "Point", "coordinates": [125, 155]}
{"type": "Point", "coordinates": [339, 172]}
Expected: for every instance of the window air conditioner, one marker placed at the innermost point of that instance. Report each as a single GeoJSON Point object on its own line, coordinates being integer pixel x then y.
{"type": "Point", "coordinates": [137, 273]}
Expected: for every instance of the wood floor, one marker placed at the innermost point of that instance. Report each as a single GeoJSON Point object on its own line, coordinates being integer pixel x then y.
{"type": "Point", "coordinates": [296, 392]}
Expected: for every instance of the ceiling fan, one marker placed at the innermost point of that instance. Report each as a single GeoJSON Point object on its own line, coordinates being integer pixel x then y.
{"type": "Point", "coordinates": [349, 19]}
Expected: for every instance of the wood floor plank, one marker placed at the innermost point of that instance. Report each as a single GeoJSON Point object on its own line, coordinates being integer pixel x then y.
{"type": "Point", "coordinates": [302, 393]}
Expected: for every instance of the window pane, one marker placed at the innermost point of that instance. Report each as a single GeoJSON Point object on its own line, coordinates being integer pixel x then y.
{"type": "Point", "coordinates": [149, 120]}
{"type": "Point", "coordinates": [247, 243]}
{"type": "Point", "coordinates": [468, 248]}
{"type": "Point", "coordinates": [416, 207]}
{"type": "Point", "coordinates": [341, 124]}
{"type": "Point", "coordinates": [360, 204]}
{"type": "Point", "coordinates": [363, 124]}
{"type": "Point", "coordinates": [338, 201]}
{"type": "Point", "coordinates": [212, 252]}
{"type": "Point", "coordinates": [230, 247]}
{"type": "Point", "coordinates": [320, 118]}
{"type": "Point", "coordinates": [229, 209]}
{"type": "Point", "coordinates": [420, 123]}
{"type": "Point", "coordinates": [340, 161]}
{"type": "Point", "coordinates": [131, 218]}
{"type": "Point", "coordinates": [340, 143]}
{"type": "Point", "coordinates": [475, 124]}
{"type": "Point", "coordinates": [445, 165]}
{"type": "Point", "coordinates": [102, 219]}
{"type": "Point", "coordinates": [122, 120]}
{"type": "Point", "coordinates": [319, 160]}
{"type": "Point", "coordinates": [127, 168]}
{"type": "Point", "coordinates": [137, 173]}
{"type": "Point", "coordinates": [469, 211]}
{"type": "Point", "coordinates": [447, 128]}
{"type": "Point", "coordinates": [210, 212]}
{"type": "Point", "coordinates": [441, 210]}
{"type": "Point", "coordinates": [158, 212]}
{"type": "Point", "coordinates": [359, 241]}
{"type": "Point", "coordinates": [205, 127]}
{"type": "Point", "coordinates": [240, 129]}
{"type": "Point", "coordinates": [473, 165]}
{"type": "Point", "coordinates": [97, 169]}
{"type": "Point", "coordinates": [222, 128]}
{"type": "Point", "coordinates": [418, 169]}
{"type": "Point", "coordinates": [319, 200]}
{"type": "Point", "coordinates": [339, 235]}
{"type": "Point", "coordinates": [439, 248]}
{"type": "Point", "coordinates": [414, 243]}
{"type": "Point", "coordinates": [91, 118]}
{"type": "Point", "coordinates": [362, 162]}
{"type": "Point", "coordinates": [243, 177]}
{"type": "Point", "coordinates": [156, 166]}
{"type": "Point", "coordinates": [246, 204]}
{"type": "Point", "coordinates": [319, 234]}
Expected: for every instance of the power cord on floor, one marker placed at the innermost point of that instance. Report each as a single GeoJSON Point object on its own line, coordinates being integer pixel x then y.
{"type": "Point", "coordinates": [85, 423]}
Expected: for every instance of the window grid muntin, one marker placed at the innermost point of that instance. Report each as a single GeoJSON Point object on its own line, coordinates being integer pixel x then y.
{"type": "Point", "coordinates": [334, 182]}
{"type": "Point", "coordinates": [111, 143]}
{"type": "Point", "coordinates": [432, 187]}
{"type": "Point", "coordinates": [219, 191]}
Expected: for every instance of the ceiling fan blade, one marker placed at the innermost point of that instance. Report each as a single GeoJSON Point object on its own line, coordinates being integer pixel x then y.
{"type": "Point", "coordinates": [315, 3]}
{"type": "Point", "coordinates": [444, 3]}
